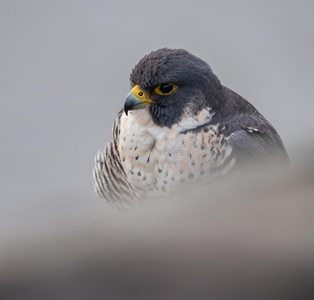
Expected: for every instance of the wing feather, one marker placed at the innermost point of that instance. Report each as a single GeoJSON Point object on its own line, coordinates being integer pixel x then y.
{"type": "Point", "coordinates": [256, 141]}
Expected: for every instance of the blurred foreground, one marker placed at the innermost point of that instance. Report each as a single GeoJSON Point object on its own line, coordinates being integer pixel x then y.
{"type": "Point", "coordinates": [248, 240]}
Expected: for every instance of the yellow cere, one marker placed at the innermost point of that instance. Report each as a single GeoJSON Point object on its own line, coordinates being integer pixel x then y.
{"type": "Point", "coordinates": [138, 92]}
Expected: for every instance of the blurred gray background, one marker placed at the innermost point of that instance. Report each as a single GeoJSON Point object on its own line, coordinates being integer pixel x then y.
{"type": "Point", "coordinates": [65, 73]}
{"type": "Point", "coordinates": [64, 68]}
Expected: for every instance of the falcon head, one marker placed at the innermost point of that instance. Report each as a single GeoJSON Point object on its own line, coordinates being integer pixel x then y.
{"type": "Point", "coordinates": [172, 83]}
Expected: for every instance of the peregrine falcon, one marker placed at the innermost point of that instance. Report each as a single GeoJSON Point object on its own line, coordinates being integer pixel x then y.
{"type": "Point", "coordinates": [179, 124]}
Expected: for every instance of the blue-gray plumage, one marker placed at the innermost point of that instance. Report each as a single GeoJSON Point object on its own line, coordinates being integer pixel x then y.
{"type": "Point", "coordinates": [178, 108]}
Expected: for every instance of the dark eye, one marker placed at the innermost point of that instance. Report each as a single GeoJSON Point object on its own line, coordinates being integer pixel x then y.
{"type": "Point", "coordinates": [165, 88]}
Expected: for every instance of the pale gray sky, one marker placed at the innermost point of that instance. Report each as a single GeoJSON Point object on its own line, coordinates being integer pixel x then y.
{"type": "Point", "coordinates": [65, 67]}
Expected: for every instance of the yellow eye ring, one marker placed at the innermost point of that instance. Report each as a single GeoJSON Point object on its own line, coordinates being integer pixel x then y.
{"type": "Point", "coordinates": [165, 89]}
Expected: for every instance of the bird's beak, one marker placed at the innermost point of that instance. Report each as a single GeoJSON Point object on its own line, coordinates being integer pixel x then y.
{"type": "Point", "coordinates": [136, 99]}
